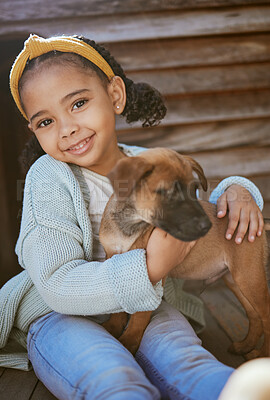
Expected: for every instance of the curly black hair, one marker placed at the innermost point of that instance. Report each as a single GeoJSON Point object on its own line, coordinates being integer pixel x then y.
{"type": "Point", "coordinates": [143, 102]}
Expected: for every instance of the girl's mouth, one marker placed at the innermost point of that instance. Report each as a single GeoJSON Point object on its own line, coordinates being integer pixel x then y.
{"type": "Point", "coordinates": [82, 146]}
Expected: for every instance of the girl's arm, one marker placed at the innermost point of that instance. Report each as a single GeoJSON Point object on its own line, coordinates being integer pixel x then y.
{"type": "Point", "coordinates": [54, 246]}
{"type": "Point", "coordinates": [244, 203]}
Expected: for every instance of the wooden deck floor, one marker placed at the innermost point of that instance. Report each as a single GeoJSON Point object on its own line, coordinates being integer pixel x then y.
{"type": "Point", "coordinates": [225, 319]}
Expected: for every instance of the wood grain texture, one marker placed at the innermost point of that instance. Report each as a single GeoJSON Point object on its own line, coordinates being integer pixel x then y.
{"type": "Point", "coordinates": [266, 213]}
{"type": "Point", "coordinates": [263, 182]}
{"type": "Point", "coordinates": [42, 393]}
{"type": "Point", "coordinates": [179, 81]}
{"type": "Point", "coordinates": [15, 384]}
{"type": "Point", "coordinates": [212, 107]}
{"type": "Point", "coordinates": [158, 25]}
{"type": "Point", "coordinates": [190, 52]}
{"type": "Point", "coordinates": [201, 136]}
{"type": "Point", "coordinates": [18, 10]}
{"type": "Point", "coordinates": [241, 161]}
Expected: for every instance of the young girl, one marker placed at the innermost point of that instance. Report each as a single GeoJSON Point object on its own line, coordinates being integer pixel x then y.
{"type": "Point", "coordinates": [70, 90]}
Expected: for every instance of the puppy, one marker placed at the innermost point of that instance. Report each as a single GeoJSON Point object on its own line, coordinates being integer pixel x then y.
{"type": "Point", "coordinates": [158, 189]}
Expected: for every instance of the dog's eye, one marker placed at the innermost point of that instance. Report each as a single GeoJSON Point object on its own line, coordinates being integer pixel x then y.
{"type": "Point", "coordinates": [147, 173]}
{"type": "Point", "coordinates": [162, 191]}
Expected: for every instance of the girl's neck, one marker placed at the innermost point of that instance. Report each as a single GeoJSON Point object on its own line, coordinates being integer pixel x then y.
{"type": "Point", "coordinates": [108, 162]}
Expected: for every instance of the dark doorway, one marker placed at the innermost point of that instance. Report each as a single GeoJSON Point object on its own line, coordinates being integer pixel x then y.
{"type": "Point", "coordinates": [13, 135]}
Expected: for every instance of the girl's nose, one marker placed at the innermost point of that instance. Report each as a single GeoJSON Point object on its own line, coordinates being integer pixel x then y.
{"type": "Point", "coordinates": [67, 127]}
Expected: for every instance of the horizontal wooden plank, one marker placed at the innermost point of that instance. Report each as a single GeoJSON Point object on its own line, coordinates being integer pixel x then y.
{"type": "Point", "coordinates": [201, 136]}
{"type": "Point", "coordinates": [263, 183]}
{"type": "Point", "coordinates": [212, 107]}
{"type": "Point", "coordinates": [175, 53]}
{"type": "Point", "coordinates": [266, 213]}
{"type": "Point", "coordinates": [159, 25]}
{"type": "Point", "coordinates": [18, 10]}
{"type": "Point", "coordinates": [17, 384]}
{"type": "Point", "coordinates": [242, 161]}
{"type": "Point", "coordinates": [205, 80]}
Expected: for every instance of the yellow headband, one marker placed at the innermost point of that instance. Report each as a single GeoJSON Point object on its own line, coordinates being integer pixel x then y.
{"type": "Point", "coordinates": [35, 46]}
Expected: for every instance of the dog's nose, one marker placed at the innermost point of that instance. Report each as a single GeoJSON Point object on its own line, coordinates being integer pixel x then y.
{"type": "Point", "coordinates": [203, 223]}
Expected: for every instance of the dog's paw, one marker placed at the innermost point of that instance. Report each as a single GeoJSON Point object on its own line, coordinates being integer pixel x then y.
{"type": "Point", "coordinates": [237, 348]}
{"type": "Point", "coordinates": [257, 353]}
{"type": "Point", "coordinates": [240, 348]}
{"type": "Point", "coordinates": [253, 354]}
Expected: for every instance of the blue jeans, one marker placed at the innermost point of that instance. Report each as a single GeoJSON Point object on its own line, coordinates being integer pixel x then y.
{"type": "Point", "coordinates": [77, 358]}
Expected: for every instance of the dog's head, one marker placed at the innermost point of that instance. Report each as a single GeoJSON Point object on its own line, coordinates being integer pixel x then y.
{"type": "Point", "coordinates": [159, 184]}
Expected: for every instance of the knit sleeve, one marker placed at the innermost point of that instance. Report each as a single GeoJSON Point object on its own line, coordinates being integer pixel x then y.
{"type": "Point", "coordinates": [237, 180]}
{"type": "Point", "coordinates": [70, 285]}
{"type": "Point", "coordinates": [54, 245]}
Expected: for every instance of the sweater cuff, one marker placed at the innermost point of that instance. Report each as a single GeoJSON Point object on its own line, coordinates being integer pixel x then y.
{"type": "Point", "coordinates": [131, 282]}
{"type": "Point", "coordinates": [237, 180]}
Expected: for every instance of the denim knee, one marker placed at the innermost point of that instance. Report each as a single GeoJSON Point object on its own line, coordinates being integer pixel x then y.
{"type": "Point", "coordinates": [101, 368]}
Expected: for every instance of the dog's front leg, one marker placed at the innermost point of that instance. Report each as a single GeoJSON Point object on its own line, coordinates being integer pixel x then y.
{"type": "Point", "coordinates": [116, 324]}
{"type": "Point", "coordinates": [132, 336]}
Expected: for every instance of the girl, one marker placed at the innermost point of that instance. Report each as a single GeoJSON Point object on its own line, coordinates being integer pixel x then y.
{"type": "Point", "coordinates": [70, 90]}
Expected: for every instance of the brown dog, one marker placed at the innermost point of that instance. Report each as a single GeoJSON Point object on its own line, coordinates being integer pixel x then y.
{"type": "Point", "coordinates": [158, 189]}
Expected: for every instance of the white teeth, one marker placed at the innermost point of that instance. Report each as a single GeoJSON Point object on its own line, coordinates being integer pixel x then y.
{"type": "Point", "coordinates": [79, 145]}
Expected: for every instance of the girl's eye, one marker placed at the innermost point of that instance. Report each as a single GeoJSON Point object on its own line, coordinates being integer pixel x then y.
{"type": "Point", "coordinates": [79, 104]}
{"type": "Point", "coordinates": [44, 123]}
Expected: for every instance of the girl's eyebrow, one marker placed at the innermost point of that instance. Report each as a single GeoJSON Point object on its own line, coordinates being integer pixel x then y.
{"type": "Point", "coordinates": [37, 115]}
{"type": "Point", "coordinates": [65, 98]}
{"type": "Point", "coordinates": [70, 95]}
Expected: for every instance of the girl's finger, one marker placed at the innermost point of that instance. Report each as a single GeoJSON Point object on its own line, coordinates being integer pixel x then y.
{"type": "Point", "coordinates": [243, 226]}
{"type": "Point", "coordinates": [234, 217]}
{"type": "Point", "coordinates": [253, 226]}
{"type": "Point", "coordinates": [222, 205]}
{"type": "Point", "coordinates": [261, 224]}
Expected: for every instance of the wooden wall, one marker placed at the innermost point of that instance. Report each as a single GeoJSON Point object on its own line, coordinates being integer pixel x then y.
{"type": "Point", "coordinates": [209, 58]}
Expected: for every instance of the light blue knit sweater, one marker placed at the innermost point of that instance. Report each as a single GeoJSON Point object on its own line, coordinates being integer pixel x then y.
{"type": "Point", "coordinates": [55, 250]}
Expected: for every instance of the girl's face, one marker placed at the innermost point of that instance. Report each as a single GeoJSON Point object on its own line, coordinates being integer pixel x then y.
{"type": "Point", "coordinates": [72, 114]}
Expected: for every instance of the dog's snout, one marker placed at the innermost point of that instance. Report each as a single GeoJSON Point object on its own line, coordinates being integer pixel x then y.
{"type": "Point", "coordinates": [203, 223]}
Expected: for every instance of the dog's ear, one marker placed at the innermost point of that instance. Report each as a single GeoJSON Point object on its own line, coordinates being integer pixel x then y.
{"type": "Point", "coordinates": [198, 170]}
{"type": "Point", "coordinates": [127, 173]}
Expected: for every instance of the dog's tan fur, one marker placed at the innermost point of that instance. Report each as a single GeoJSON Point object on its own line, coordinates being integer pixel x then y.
{"type": "Point", "coordinates": [130, 217]}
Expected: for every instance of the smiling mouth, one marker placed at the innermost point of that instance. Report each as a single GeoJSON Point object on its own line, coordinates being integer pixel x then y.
{"type": "Point", "coordinates": [80, 145]}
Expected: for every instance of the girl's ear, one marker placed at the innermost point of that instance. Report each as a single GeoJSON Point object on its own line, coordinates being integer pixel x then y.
{"type": "Point", "coordinates": [117, 92]}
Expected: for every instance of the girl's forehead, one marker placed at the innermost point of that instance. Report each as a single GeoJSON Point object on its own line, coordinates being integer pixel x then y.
{"type": "Point", "coordinates": [57, 76]}
{"type": "Point", "coordinates": [49, 68]}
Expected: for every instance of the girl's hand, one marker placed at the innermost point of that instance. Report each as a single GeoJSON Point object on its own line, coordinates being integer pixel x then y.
{"type": "Point", "coordinates": [163, 253]}
{"type": "Point", "coordinates": [243, 212]}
